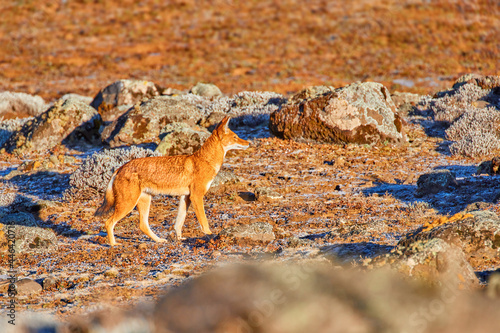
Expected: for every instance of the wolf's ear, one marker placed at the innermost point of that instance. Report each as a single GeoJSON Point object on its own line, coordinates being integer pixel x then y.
{"type": "Point", "coordinates": [223, 124]}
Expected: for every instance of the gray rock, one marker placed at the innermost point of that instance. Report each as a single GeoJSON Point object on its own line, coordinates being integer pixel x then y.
{"type": "Point", "coordinates": [68, 121]}
{"type": "Point", "coordinates": [353, 252]}
{"type": "Point", "coordinates": [110, 100]}
{"type": "Point", "coordinates": [266, 193]}
{"type": "Point", "coordinates": [225, 177]}
{"type": "Point", "coordinates": [206, 90]}
{"type": "Point", "coordinates": [84, 99]}
{"type": "Point", "coordinates": [258, 231]}
{"type": "Point", "coordinates": [359, 113]}
{"type": "Point", "coordinates": [435, 181]}
{"type": "Point", "coordinates": [20, 105]}
{"type": "Point", "coordinates": [181, 139]}
{"type": "Point", "coordinates": [144, 122]}
{"type": "Point", "coordinates": [27, 286]}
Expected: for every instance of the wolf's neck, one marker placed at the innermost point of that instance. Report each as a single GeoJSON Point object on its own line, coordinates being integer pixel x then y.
{"type": "Point", "coordinates": [211, 151]}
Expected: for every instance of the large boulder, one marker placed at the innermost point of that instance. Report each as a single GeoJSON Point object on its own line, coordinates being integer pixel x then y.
{"type": "Point", "coordinates": [143, 123]}
{"type": "Point", "coordinates": [67, 121]}
{"type": "Point", "coordinates": [359, 113]}
{"type": "Point", "coordinates": [112, 101]}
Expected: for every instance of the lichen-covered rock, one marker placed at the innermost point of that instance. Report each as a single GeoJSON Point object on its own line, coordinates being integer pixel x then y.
{"type": "Point", "coordinates": [206, 90]}
{"type": "Point", "coordinates": [311, 92]}
{"type": "Point", "coordinates": [435, 181]}
{"type": "Point", "coordinates": [246, 108]}
{"type": "Point", "coordinates": [257, 231]}
{"type": "Point", "coordinates": [477, 236]}
{"type": "Point", "coordinates": [359, 113]}
{"type": "Point", "coordinates": [10, 126]}
{"type": "Point", "coordinates": [143, 123]}
{"type": "Point", "coordinates": [112, 101]}
{"type": "Point", "coordinates": [181, 139]}
{"type": "Point", "coordinates": [435, 260]}
{"type": "Point", "coordinates": [20, 105]}
{"type": "Point", "coordinates": [92, 176]}
{"type": "Point", "coordinates": [67, 121]}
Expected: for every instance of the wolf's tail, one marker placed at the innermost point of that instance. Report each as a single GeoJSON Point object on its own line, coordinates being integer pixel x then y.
{"type": "Point", "coordinates": [108, 205]}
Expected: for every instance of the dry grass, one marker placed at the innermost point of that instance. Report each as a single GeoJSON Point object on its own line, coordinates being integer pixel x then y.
{"type": "Point", "coordinates": [282, 46]}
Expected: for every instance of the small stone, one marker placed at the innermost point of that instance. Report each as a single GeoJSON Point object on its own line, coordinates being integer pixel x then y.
{"type": "Point", "coordinates": [49, 282]}
{"type": "Point", "coordinates": [142, 246]}
{"type": "Point", "coordinates": [206, 90]}
{"type": "Point", "coordinates": [339, 162]}
{"type": "Point", "coordinates": [54, 159]}
{"type": "Point", "coordinates": [112, 272]}
{"type": "Point", "coordinates": [258, 231]}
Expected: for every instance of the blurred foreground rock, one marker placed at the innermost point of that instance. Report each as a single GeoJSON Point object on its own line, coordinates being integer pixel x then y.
{"type": "Point", "coordinates": [296, 298]}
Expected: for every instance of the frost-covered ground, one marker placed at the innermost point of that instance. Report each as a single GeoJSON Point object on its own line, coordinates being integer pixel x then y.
{"type": "Point", "coordinates": [359, 198]}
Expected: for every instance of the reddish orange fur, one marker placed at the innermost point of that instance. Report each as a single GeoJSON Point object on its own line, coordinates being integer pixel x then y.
{"type": "Point", "coordinates": [189, 176]}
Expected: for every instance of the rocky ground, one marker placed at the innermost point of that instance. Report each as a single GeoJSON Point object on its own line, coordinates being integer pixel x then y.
{"type": "Point", "coordinates": [282, 201]}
